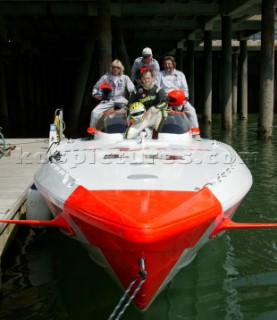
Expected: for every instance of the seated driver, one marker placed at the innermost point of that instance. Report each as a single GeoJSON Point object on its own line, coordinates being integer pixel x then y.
{"type": "Point", "coordinates": [176, 99]}
{"type": "Point", "coordinates": [147, 106]}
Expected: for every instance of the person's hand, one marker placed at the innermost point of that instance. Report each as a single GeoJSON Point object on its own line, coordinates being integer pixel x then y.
{"type": "Point", "coordinates": [130, 121]}
{"type": "Point", "coordinates": [197, 137]}
{"type": "Point", "coordinates": [97, 97]}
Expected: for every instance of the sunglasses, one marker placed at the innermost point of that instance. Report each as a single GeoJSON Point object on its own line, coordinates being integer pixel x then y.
{"type": "Point", "coordinates": [115, 67]}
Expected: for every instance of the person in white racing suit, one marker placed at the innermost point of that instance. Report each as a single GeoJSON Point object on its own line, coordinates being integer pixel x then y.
{"type": "Point", "coordinates": [146, 61]}
{"type": "Point", "coordinates": [147, 106]}
{"type": "Point", "coordinates": [172, 79]}
{"type": "Point", "coordinates": [176, 100]}
{"type": "Point", "coordinates": [111, 90]}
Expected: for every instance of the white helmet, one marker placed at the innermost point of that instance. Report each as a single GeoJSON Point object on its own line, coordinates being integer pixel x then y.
{"type": "Point", "coordinates": [136, 111]}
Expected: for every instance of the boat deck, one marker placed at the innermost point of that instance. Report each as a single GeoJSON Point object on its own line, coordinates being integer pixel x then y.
{"type": "Point", "coordinates": [16, 175]}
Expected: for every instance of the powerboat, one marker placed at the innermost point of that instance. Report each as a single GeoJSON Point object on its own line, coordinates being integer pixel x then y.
{"type": "Point", "coordinates": [141, 207]}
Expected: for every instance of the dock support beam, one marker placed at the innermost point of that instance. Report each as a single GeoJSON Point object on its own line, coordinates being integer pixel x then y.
{"type": "Point", "coordinates": [190, 50]}
{"type": "Point", "coordinates": [244, 79]}
{"type": "Point", "coordinates": [121, 50]}
{"type": "Point", "coordinates": [235, 67]}
{"type": "Point", "coordinates": [81, 82]}
{"type": "Point", "coordinates": [208, 71]}
{"type": "Point", "coordinates": [226, 73]}
{"type": "Point", "coordinates": [105, 35]}
{"type": "Point", "coordinates": [179, 58]}
{"type": "Point", "coordinates": [267, 70]}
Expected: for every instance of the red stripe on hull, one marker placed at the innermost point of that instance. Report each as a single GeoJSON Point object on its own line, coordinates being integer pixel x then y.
{"type": "Point", "coordinates": [160, 256]}
{"type": "Point", "coordinates": [125, 230]}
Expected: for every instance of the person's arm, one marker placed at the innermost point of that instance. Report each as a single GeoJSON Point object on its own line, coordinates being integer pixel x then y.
{"type": "Point", "coordinates": [96, 89]}
{"type": "Point", "coordinates": [133, 97]}
{"type": "Point", "coordinates": [162, 99]}
{"type": "Point", "coordinates": [161, 103]}
{"type": "Point", "coordinates": [184, 84]}
{"type": "Point", "coordinates": [134, 70]}
{"type": "Point", "coordinates": [156, 66]}
{"type": "Point", "coordinates": [157, 75]}
{"type": "Point", "coordinates": [129, 85]}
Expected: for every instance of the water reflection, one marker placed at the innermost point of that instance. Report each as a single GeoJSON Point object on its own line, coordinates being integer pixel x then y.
{"type": "Point", "coordinates": [30, 281]}
{"type": "Point", "coordinates": [48, 276]}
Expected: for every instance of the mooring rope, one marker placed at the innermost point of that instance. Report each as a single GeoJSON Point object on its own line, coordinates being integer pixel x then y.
{"type": "Point", "coordinates": [142, 274]}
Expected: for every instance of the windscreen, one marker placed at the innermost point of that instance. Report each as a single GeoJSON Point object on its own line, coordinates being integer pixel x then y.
{"type": "Point", "coordinates": [176, 122]}
{"type": "Point", "coordinates": [112, 122]}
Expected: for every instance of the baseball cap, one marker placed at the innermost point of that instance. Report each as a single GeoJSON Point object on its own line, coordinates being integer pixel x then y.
{"type": "Point", "coordinates": [146, 51]}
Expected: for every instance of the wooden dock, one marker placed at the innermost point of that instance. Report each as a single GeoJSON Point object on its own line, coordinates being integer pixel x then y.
{"type": "Point", "coordinates": [16, 176]}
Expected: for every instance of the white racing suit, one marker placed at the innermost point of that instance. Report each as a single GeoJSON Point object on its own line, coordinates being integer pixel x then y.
{"type": "Point", "coordinates": [104, 106]}
{"type": "Point", "coordinates": [174, 80]}
{"type": "Point", "coordinates": [122, 87]}
{"type": "Point", "coordinates": [192, 116]}
{"type": "Point", "coordinates": [153, 66]}
{"type": "Point", "coordinates": [152, 120]}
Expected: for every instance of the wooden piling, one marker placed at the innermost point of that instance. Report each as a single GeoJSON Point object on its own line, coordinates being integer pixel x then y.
{"type": "Point", "coordinates": [226, 73]}
{"type": "Point", "coordinates": [208, 66]}
{"type": "Point", "coordinates": [81, 83]}
{"type": "Point", "coordinates": [121, 50]}
{"type": "Point", "coordinates": [190, 77]}
{"type": "Point", "coordinates": [244, 79]}
{"type": "Point", "coordinates": [104, 35]}
{"type": "Point", "coordinates": [267, 70]}
{"type": "Point", "coordinates": [180, 58]}
{"type": "Point", "coordinates": [235, 72]}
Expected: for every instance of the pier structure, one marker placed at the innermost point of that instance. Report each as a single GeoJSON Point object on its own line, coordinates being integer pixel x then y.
{"type": "Point", "coordinates": [17, 170]}
{"type": "Point", "coordinates": [52, 52]}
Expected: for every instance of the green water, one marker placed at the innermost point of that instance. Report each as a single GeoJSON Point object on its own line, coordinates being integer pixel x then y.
{"type": "Point", "coordinates": [48, 276]}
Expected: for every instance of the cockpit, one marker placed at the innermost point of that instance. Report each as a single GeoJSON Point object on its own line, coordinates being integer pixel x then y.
{"type": "Point", "coordinates": [115, 121]}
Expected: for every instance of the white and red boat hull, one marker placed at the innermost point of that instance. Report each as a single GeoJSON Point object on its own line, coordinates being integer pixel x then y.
{"type": "Point", "coordinates": [156, 200]}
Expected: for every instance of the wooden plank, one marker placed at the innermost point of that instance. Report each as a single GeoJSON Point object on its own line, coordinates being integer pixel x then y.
{"type": "Point", "coordinates": [16, 176]}
{"type": "Point", "coordinates": [17, 171]}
